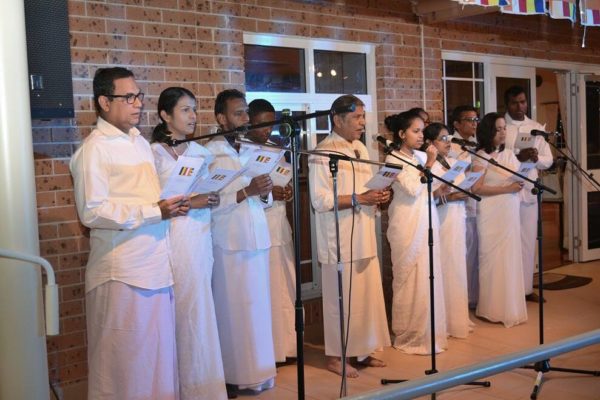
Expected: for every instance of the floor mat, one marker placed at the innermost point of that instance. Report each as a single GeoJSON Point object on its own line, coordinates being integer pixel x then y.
{"type": "Point", "coordinates": [554, 281]}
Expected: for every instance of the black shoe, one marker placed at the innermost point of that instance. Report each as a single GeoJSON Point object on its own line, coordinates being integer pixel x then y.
{"type": "Point", "coordinates": [231, 391]}
{"type": "Point", "coordinates": [534, 298]}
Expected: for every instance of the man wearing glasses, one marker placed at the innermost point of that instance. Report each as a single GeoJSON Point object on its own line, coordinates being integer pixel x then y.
{"type": "Point", "coordinates": [464, 122]}
{"type": "Point", "coordinates": [129, 306]}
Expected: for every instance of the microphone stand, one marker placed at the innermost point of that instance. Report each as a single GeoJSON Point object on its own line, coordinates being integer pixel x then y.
{"type": "Point", "coordinates": [428, 179]}
{"type": "Point", "coordinates": [292, 129]}
{"type": "Point", "coordinates": [333, 168]}
{"type": "Point", "coordinates": [543, 366]}
{"type": "Point", "coordinates": [589, 177]}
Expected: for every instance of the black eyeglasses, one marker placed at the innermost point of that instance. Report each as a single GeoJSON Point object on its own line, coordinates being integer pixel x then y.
{"type": "Point", "coordinates": [470, 119]}
{"type": "Point", "coordinates": [130, 98]}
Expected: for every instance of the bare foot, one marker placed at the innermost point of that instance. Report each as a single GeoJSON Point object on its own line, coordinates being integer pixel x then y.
{"type": "Point", "coordinates": [372, 362]}
{"type": "Point", "coordinates": [334, 364]}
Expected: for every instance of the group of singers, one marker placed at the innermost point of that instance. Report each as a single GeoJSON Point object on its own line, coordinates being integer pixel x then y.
{"type": "Point", "coordinates": [192, 296]}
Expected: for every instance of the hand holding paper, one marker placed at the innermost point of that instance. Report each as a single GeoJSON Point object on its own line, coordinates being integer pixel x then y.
{"type": "Point", "coordinates": [383, 179]}
{"type": "Point", "coordinates": [184, 175]}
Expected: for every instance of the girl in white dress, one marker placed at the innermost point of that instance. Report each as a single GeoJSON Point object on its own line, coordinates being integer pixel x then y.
{"type": "Point", "coordinates": [198, 350]}
{"type": "Point", "coordinates": [451, 212]}
{"type": "Point", "coordinates": [407, 234]}
{"type": "Point", "coordinates": [502, 291]}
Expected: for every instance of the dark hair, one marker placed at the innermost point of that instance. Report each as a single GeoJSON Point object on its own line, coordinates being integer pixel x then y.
{"type": "Point", "coordinates": [400, 122]}
{"type": "Point", "coordinates": [486, 132]}
{"type": "Point", "coordinates": [104, 82]}
{"type": "Point", "coordinates": [432, 132]}
{"type": "Point", "coordinates": [166, 102]}
{"type": "Point", "coordinates": [259, 106]}
{"type": "Point", "coordinates": [511, 92]}
{"type": "Point", "coordinates": [224, 97]}
{"type": "Point", "coordinates": [457, 114]}
{"type": "Point", "coordinates": [346, 100]}
{"type": "Point", "coordinates": [419, 111]}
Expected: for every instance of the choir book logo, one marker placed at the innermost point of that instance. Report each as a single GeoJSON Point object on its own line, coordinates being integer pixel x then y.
{"type": "Point", "coordinates": [186, 171]}
{"type": "Point", "coordinates": [282, 171]}
{"type": "Point", "coordinates": [389, 174]}
{"type": "Point", "coordinates": [218, 177]}
{"type": "Point", "coordinates": [263, 159]}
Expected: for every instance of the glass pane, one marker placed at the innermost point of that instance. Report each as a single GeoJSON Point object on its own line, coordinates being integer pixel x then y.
{"type": "Point", "coordinates": [479, 98]}
{"type": "Point", "coordinates": [274, 69]}
{"type": "Point", "coordinates": [593, 224]}
{"type": "Point", "coordinates": [322, 123]}
{"type": "Point", "coordinates": [503, 83]}
{"type": "Point", "coordinates": [340, 72]}
{"type": "Point", "coordinates": [478, 67]}
{"type": "Point", "coordinates": [458, 93]}
{"type": "Point", "coordinates": [459, 69]}
{"type": "Point", "coordinates": [592, 100]}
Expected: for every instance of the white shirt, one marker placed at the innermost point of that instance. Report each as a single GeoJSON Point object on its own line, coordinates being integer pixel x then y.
{"type": "Point", "coordinates": [321, 194]}
{"type": "Point", "coordinates": [116, 192]}
{"type": "Point", "coordinates": [545, 158]}
{"type": "Point", "coordinates": [457, 152]}
{"type": "Point", "coordinates": [237, 226]}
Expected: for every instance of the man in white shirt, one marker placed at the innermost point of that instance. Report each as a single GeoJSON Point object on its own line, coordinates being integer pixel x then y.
{"type": "Point", "coordinates": [464, 122]}
{"type": "Point", "coordinates": [517, 122]}
{"type": "Point", "coordinates": [241, 245]}
{"type": "Point", "coordinates": [129, 302]}
{"type": "Point", "coordinates": [281, 254]}
{"type": "Point", "coordinates": [364, 306]}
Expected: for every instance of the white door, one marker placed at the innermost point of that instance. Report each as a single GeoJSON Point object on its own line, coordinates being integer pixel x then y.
{"type": "Point", "coordinates": [587, 151]}
{"type": "Point", "coordinates": [500, 77]}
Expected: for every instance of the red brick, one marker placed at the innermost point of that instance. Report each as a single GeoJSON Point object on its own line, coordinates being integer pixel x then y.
{"type": "Point", "coordinates": [180, 18]}
{"type": "Point", "coordinates": [88, 56]}
{"type": "Point", "coordinates": [46, 199]}
{"type": "Point", "coordinates": [144, 44]}
{"type": "Point", "coordinates": [69, 261]}
{"type": "Point", "coordinates": [127, 28]}
{"type": "Point", "coordinates": [180, 46]}
{"type": "Point", "coordinates": [43, 167]}
{"type": "Point", "coordinates": [163, 59]}
{"type": "Point", "coordinates": [41, 151]}
{"type": "Point", "coordinates": [110, 41]}
{"type": "Point", "coordinates": [100, 10]}
{"type": "Point", "coordinates": [143, 14]}
{"type": "Point", "coordinates": [69, 277]}
{"type": "Point", "coordinates": [57, 214]}
{"type": "Point", "coordinates": [47, 232]}
{"type": "Point", "coordinates": [71, 308]}
{"type": "Point", "coordinates": [119, 57]}
{"type": "Point", "coordinates": [58, 246]}
{"type": "Point", "coordinates": [161, 30]}
{"type": "Point", "coordinates": [72, 292]}
{"type": "Point", "coordinates": [68, 229]}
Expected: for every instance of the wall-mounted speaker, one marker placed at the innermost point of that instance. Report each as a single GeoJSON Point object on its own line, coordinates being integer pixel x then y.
{"type": "Point", "coordinates": [49, 59]}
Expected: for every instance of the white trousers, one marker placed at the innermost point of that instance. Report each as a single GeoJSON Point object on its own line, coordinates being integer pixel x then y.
{"type": "Point", "coordinates": [131, 343]}
{"type": "Point", "coordinates": [528, 241]}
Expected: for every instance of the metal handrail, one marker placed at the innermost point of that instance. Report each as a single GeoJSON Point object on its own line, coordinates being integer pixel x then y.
{"type": "Point", "coordinates": [51, 293]}
{"type": "Point", "coordinates": [444, 380]}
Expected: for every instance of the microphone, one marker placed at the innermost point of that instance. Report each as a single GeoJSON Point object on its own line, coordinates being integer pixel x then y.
{"type": "Point", "coordinates": [386, 142]}
{"type": "Point", "coordinates": [343, 109]}
{"type": "Point", "coordinates": [537, 132]}
{"type": "Point", "coordinates": [463, 142]}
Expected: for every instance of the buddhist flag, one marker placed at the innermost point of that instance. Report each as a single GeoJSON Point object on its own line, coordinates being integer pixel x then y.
{"type": "Point", "coordinates": [563, 9]}
{"type": "Point", "coordinates": [590, 12]}
{"type": "Point", "coordinates": [525, 7]}
{"type": "Point", "coordinates": [497, 3]}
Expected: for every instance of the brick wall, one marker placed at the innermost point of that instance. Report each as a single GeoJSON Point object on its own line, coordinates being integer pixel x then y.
{"type": "Point", "coordinates": [198, 44]}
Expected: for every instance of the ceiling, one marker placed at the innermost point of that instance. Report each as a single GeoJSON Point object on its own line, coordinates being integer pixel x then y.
{"type": "Point", "coordinates": [433, 11]}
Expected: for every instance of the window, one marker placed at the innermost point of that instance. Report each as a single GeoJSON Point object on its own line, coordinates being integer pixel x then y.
{"type": "Point", "coordinates": [285, 71]}
{"type": "Point", "coordinates": [340, 72]}
{"type": "Point", "coordinates": [274, 69]}
{"type": "Point", "coordinates": [463, 85]}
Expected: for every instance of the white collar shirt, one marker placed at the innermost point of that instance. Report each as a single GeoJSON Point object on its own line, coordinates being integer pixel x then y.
{"type": "Point", "coordinates": [237, 226]}
{"type": "Point", "coordinates": [116, 191]}
{"type": "Point", "coordinates": [363, 244]}
{"type": "Point", "coordinates": [545, 158]}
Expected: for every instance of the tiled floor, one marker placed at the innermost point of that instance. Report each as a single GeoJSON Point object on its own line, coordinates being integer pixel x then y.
{"type": "Point", "coordinates": [567, 313]}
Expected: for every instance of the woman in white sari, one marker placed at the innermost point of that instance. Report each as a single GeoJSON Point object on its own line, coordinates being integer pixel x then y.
{"type": "Point", "coordinates": [451, 212]}
{"type": "Point", "coordinates": [407, 234]}
{"type": "Point", "coordinates": [190, 243]}
{"type": "Point", "coordinates": [502, 291]}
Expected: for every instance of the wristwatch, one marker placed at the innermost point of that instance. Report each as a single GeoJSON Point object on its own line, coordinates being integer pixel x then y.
{"type": "Point", "coordinates": [355, 204]}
